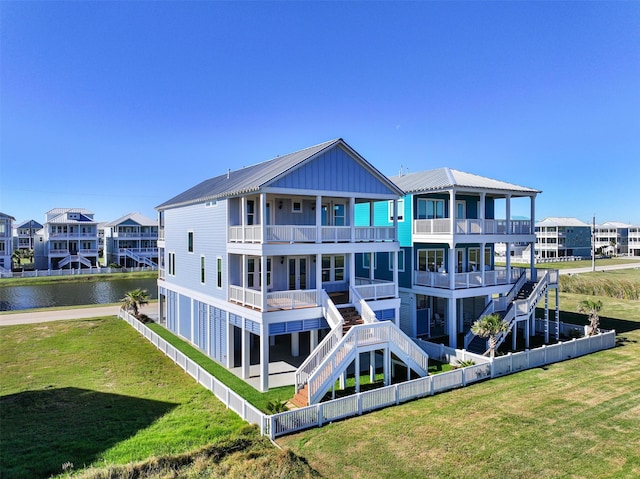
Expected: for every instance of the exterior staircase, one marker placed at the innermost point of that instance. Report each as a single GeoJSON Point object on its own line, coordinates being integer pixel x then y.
{"type": "Point", "coordinates": [518, 305]}
{"type": "Point", "coordinates": [354, 330]}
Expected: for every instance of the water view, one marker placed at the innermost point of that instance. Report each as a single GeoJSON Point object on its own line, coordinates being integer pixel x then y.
{"type": "Point", "coordinates": [14, 298]}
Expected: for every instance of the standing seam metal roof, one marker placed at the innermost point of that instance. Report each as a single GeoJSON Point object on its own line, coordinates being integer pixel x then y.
{"type": "Point", "coordinates": [444, 178]}
{"type": "Point", "coordinates": [252, 178]}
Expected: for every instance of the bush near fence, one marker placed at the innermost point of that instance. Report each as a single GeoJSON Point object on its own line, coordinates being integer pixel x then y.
{"type": "Point", "coordinates": [319, 414]}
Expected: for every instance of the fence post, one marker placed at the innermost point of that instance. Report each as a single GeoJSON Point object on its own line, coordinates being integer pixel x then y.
{"type": "Point", "coordinates": [397, 395]}
{"type": "Point", "coordinates": [319, 413]}
{"type": "Point", "coordinates": [359, 399]}
{"type": "Point", "coordinates": [431, 391]}
{"type": "Point", "coordinates": [491, 370]}
{"type": "Point", "coordinates": [272, 433]}
{"type": "Point", "coordinates": [464, 377]}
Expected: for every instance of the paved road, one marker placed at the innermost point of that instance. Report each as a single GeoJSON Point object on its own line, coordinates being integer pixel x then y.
{"type": "Point", "coordinates": [7, 319]}
{"type": "Point", "coordinates": [600, 268]}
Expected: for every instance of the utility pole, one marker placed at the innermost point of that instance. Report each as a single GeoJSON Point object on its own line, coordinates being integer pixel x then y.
{"type": "Point", "coordinates": [593, 244]}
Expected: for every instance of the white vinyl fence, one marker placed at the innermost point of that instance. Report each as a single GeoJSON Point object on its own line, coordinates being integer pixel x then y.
{"type": "Point", "coordinates": [319, 414]}
{"type": "Point", "coordinates": [72, 272]}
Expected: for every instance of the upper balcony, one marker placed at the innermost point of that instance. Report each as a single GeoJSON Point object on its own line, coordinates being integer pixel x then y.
{"type": "Point", "coordinates": [310, 234]}
{"type": "Point", "coordinates": [474, 279]}
{"type": "Point", "coordinates": [430, 229]}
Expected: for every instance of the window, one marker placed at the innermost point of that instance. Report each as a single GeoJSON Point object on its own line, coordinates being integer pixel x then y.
{"type": "Point", "coordinates": [429, 209]}
{"type": "Point", "coordinates": [251, 272]}
{"type": "Point", "coordinates": [339, 214]}
{"type": "Point", "coordinates": [219, 268]}
{"type": "Point", "coordinates": [190, 242]}
{"type": "Point", "coordinates": [202, 269]}
{"type": "Point", "coordinates": [251, 212]}
{"type": "Point", "coordinates": [332, 268]}
{"type": "Point", "coordinates": [296, 206]}
{"type": "Point", "coordinates": [172, 264]}
{"type": "Point", "coordinates": [431, 260]}
{"type": "Point", "coordinates": [474, 259]}
{"type": "Point", "coordinates": [210, 204]}
{"type": "Point", "coordinates": [400, 260]}
{"type": "Point", "coordinates": [400, 210]}
{"type": "Point", "coordinates": [366, 260]}
{"type": "Point", "coordinates": [488, 255]}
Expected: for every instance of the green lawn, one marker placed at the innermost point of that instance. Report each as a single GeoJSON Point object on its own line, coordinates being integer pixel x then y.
{"type": "Point", "coordinates": [95, 391]}
{"type": "Point", "coordinates": [76, 278]}
{"type": "Point", "coordinates": [575, 419]}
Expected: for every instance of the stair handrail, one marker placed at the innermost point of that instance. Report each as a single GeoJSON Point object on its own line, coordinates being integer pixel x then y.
{"type": "Point", "coordinates": [330, 311]}
{"type": "Point", "coordinates": [363, 308]}
{"type": "Point", "coordinates": [523, 307]}
{"type": "Point", "coordinates": [362, 335]}
{"type": "Point", "coordinates": [327, 344]}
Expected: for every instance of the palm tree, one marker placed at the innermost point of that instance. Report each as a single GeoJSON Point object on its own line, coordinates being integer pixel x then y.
{"type": "Point", "coordinates": [490, 326]}
{"type": "Point", "coordinates": [135, 299]}
{"type": "Point", "coordinates": [591, 308]}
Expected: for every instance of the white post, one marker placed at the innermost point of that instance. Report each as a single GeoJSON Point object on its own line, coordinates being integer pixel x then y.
{"type": "Point", "coordinates": [452, 323]}
{"type": "Point", "coordinates": [246, 356]}
{"type": "Point", "coordinates": [295, 344]}
{"type": "Point", "coordinates": [264, 358]}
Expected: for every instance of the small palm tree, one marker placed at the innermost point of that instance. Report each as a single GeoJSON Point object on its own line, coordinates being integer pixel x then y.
{"type": "Point", "coordinates": [490, 326]}
{"type": "Point", "coordinates": [134, 300]}
{"type": "Point", "coordinates": [591, 308]}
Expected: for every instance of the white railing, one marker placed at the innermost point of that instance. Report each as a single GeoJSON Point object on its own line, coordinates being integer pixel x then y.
{"type": "Point", "coordinates": [317, 356]}
{"type": "Point", "coordinates": [292, 299]}
{"type": "Point", "coordinates": [249, 234]}
{"type": "Point", "coordinates": [335, 233]}
{"type": "Point", "coordinates": [291, 234]}
{"type": "Point", "coordinates": [375, 289]}
{"type": "Point", "coordinates": [245, 296]}
{"type": "Point", "coordinates": [357, 404]}
{"type": "Point", "coordinates": [471, 227]}
{"type": "Point", "coordinates": [330, 312]}
{"type": "Point", "coordinates": [383, 333]}
{"type": "Point", "coordinates": [364, 310]}
{"type": "Point", "coordinates": [473, 279]}
{"type": "Point", "coordinates": [375, 233]}
{"type": "Point", "coordinates": [230, 398]}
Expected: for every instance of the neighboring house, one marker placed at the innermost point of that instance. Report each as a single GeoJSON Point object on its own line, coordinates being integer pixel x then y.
{"type": "Point", "coordinates": [28, 236]}
{"type": "Point", "coordinates": [612, 238]}
{"type": "Point", "coordinates": [6, 241]}
{"type": "Point", "coordinates": [634, 240]}
{"type": "Point", "coordinates": [131, 241]}
{"type": "Point", "coordinates": [260, 262]}
{"type": "Point", "coordinates": [449, 223]}
{"type": "Point", "coordinates": [71, 238]}
{"type": "Point", "coordinates": [562, 238]}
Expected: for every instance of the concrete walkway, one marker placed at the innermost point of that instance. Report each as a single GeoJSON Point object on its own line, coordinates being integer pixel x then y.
{"type": "Point", "coordinates": [10, 318]}
{"type": "Point", "coordinates": [600, 269]}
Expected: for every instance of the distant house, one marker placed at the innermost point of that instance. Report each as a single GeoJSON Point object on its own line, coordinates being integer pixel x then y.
{"type": "Point", "coordinates": [71, 238]}
{"type": "Point", "coordinates": [6, 241]}
{"type": "Point", "coordinates": [634, 240]}
{"type": "Point", "coordinates": [260, 263]}
{"type": "Point", "coordinates": [560, 237]}
{"type": "Point", "coordinates": [449, 224]}
{"type": "Point", "coordinates": [612, 238]}
{"type": "Point", "coordinates": [131, 241]}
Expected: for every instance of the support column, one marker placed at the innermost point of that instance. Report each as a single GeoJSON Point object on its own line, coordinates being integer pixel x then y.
{"type": "Point", "coordinates": [357, 368]}
{"type": "Point", "coordinates": [514, 335]}
{"type": "Point", "coordinates": [263, 218]}
{"type": "Point", "coordinates": [318, 263]}
{"type": "Point", "coordinates": [295, 344]}
{"type": "Point", "coordinates": [319, 219]}
{"type": "Point", "coordinates": [263, 282]}
{"type": "Point", "coordinates": [452, 323]}
{"type": "Point", "coordinates": [546, 316]}
{"type": "Point", "coordinates": [230, 342]}
{"type": "Point", "coordinates": [532, 254]}
{"type": "Point", "coordinates": [313, 339]}
{"type": "Point", "coordinates": [243, 215]}
{"type": "Point", "coordinates": [264, 359]}
{"type": "Point", "coordinates": [396, 255]}
{"type": "Point", "coordinates": [352, 269]}
{"type": "Point", "coordinates": [483, 266]}
{"type": "Point", "coordinates": [352, 219]}
{"type": "Point", "coordinates": [372, 258]}
{"type": "Point", "coordinates": [246, 351]}
{"type": "Point", "coordinates": [386, 367]}
{"type": "Point", "coordinates": [372, 366]}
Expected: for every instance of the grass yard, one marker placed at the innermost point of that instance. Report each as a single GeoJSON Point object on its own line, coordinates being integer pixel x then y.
{"type": "Point", "coordinates": [94, 392]}
{"type": "Point", "coordinates": [575, 419]}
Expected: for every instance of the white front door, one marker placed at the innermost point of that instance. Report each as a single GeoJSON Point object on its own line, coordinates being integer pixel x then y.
{"type": "Point", "coordinates": [298, 272]}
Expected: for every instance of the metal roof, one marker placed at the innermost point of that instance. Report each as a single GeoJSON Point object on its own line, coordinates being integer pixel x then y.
{"type": "Point", "coordinates": [447, 178]}
{"type": "Point", "coordinates": [252, 178]}
{"type": "Point", "coordinates": [561, 221]}
{"type": "Point", "coordinates": [29, 224]}
{"type": "Point", "coordinates": [139, 218]}
{"type": "Point", "coordinates": [59, 211]}
{"type": "Point", "coordinates": [613, 224]}
{"type": "Point", "coordinates": [4, 215]}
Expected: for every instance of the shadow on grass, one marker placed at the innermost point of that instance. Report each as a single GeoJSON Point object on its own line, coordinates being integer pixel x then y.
{"type": "Point", "coordinates": [42, 430]}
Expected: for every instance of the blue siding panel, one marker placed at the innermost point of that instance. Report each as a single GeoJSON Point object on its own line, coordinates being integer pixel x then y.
{"type": "Point", "coordinates": [385, 314]}
{"type": "Point", "coordinates": [346, 174]}
{"type": "Point", "coordinates": [184, 305]}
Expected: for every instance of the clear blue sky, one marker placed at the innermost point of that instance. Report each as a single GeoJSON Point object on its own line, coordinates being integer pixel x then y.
{"type": "Point", "coordinates": [118, 106]}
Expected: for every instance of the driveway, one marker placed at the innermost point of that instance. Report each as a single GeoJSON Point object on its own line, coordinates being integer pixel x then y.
{"type": "Point", "coordinates": [600, 268]}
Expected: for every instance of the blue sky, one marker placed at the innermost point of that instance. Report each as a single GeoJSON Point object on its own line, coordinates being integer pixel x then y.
{"type": "Point", "coordinates": [118, 106]}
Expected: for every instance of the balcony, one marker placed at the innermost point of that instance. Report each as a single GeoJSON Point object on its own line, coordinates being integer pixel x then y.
{"type": "Point", "coordinates": [442, 226]}
{"type": "Point", "coordinates": [473, 279]}
{"type": "Point", "coordinates": [118, 234]}
{"type": "Point", "coordinates": [375, 289]}
{"type": "Point", "coordinates": [276, 301]}
{"type": "Point", "coordinates": [310, 234]}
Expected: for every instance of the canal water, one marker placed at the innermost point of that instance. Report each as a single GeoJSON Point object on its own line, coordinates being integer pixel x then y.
{"type": "Point", "coordinates": [72, 294]}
